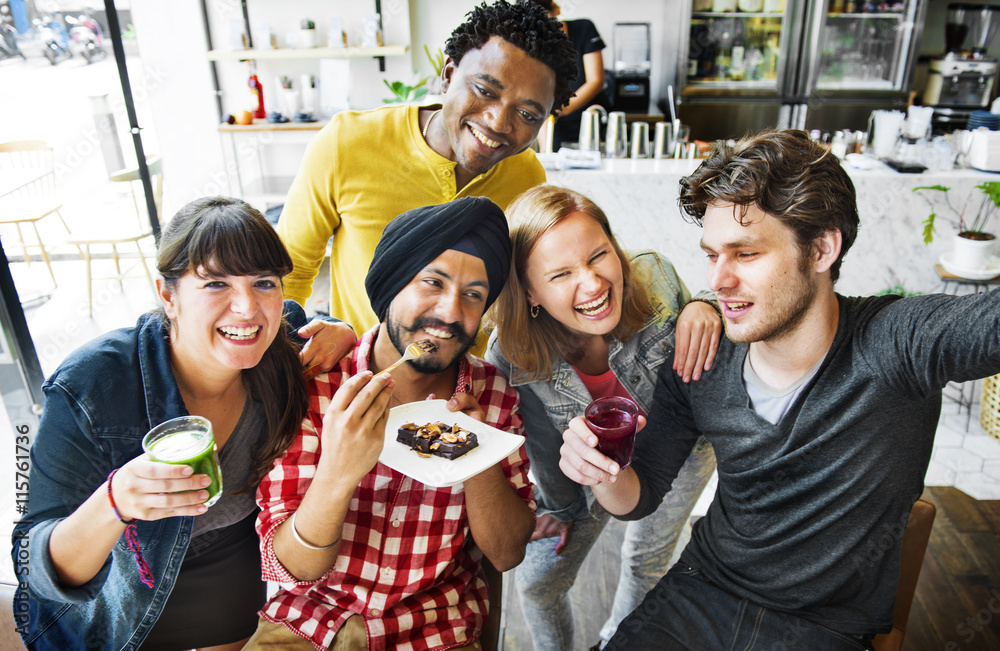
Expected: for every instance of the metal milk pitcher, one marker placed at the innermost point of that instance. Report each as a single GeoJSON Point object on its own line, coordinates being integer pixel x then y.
{"type": "Point", "coordinates": [616, 138]}
{"type": "Point", "coordinates": [590, 128]}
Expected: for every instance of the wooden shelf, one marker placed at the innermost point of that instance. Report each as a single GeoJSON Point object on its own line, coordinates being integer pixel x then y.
{"type": "Point", "coordinates": [736, 14]}
{"type": "Point", "coordinates": [308, 53]}
{"type": "Point", "coordinates": [264, 125]}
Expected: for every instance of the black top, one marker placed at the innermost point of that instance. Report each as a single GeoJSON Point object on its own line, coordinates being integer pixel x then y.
{"type": "Point", "coordinates": [584, 37]}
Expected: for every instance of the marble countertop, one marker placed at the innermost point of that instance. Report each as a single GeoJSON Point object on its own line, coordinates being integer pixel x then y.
{"type": "Point", "coordinates": [640, 200]}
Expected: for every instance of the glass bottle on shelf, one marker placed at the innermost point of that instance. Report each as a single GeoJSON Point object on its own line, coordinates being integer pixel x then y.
{"type": "Point", "coordinates": [771, 52]}
{"type": "Point", "coordinates": [723, 56]}
{"type": "Point", "coordinates": [258, 92]}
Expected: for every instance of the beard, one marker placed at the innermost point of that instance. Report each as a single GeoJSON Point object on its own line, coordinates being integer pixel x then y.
{"type": "Point", "coordinates": [786, 309]}
{"type": "Point", "coordinates": [430, 363]}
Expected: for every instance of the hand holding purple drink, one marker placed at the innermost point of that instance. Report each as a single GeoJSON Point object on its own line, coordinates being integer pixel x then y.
{"type": "Point", "coordinates": [613, 420]}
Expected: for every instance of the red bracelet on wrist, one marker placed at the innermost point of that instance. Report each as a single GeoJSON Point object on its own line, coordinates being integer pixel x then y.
{"type": "Point", "coordinates": [111, 498]}
{"type": "Point", "coordinates": [131, 538]}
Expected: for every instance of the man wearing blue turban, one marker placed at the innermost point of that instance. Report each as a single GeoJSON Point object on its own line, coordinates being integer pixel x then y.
{"type": "Point", "coordinates": [370, 557]}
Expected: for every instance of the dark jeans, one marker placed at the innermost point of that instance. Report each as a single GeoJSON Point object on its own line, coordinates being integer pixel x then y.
{"type": "Point", "coordinates": [684, 611]}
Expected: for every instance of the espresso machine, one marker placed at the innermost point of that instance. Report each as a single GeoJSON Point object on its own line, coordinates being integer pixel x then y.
{"type": "Point", "coordinates": [632, 66]}
{"type": "Point", "coordinates": [963, 80]}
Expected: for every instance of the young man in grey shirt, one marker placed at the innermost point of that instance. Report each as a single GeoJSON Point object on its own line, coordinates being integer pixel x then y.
{"type": "Point", "coordinates": [821, 409]}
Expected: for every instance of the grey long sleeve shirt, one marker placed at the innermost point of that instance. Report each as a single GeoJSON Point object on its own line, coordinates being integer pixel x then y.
{"type": "Point", "coordinates": [810, 513]}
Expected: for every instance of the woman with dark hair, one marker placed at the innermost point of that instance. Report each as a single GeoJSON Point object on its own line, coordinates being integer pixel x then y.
{"type": "Point", "coordinates": [579, 319]}
{"type": "Point", "coordinates": [182, 575]}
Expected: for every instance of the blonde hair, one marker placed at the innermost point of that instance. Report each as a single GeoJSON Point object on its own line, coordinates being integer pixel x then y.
{"type": "Point", "coordinates": [530, 344]}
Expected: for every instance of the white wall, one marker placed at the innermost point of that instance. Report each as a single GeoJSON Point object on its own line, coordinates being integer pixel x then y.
{"type": "Point", "coordinates": [172, 41]}
{"type": "Point", "coordinates": [433, 20]}
{"type": "Point", "coordinates": [178, 91]}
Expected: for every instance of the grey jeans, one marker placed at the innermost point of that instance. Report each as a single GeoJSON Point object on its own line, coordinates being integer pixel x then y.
{"type": "Point", "coordinates": [543, 579]}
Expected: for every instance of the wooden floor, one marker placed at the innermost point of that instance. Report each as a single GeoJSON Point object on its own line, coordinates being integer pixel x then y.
{"type": "Point", "coordinates": [956, 607]}
{"type": "Point", "coordinates": [957, 604]}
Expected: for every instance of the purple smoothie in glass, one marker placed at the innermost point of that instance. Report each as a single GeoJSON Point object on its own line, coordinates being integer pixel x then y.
{"type": "Point", "coordinates": [614, 419]}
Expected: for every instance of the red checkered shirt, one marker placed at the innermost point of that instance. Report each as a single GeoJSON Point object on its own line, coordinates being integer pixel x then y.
{"type": "Point", "coordinates": [407, 564]}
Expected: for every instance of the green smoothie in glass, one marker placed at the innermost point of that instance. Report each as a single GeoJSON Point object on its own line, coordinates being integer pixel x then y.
{"type": "Point", "coordinates": [188, 440]}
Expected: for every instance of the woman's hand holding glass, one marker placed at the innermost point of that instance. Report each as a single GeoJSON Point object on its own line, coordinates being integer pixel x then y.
{"type": "Point", "coordinates": [581, 461]}
{"type": "Point", "coordinates": [144, 489]}
{"type": "Point", "coordinates": [699, 329]}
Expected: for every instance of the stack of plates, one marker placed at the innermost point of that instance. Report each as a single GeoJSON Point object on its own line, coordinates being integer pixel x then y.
{"type": "Point", "coordinates": [984, 152]}
{"type": "Point", "coordinates": [984, 119]}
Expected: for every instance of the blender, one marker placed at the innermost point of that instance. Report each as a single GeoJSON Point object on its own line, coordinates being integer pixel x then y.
{"type": "Point", "coordinates": [962, 81]}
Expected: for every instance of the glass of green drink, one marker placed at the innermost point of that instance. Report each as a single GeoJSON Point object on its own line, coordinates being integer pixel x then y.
{"type": "Point", "coordinates": [188, 440]}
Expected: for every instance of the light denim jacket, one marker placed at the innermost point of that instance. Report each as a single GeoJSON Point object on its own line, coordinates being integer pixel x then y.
{"type": "Point", "coordinates": [547, 407]}
{"type": "Point", "coordinates": [99, 404]}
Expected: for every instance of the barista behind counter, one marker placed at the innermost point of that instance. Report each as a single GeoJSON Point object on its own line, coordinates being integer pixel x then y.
{"type": "Point", "coordinates": [589, 83]}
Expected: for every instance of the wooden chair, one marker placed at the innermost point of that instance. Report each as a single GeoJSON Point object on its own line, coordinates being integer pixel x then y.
{"type": "Point", "coordinates": [918, 532]}
{"type": "Point", "coordinates": [87, 242]}
{"type": "Point", "coordinates": [28, 192]}
{"type": "Point", "coordinates": [490, 637]}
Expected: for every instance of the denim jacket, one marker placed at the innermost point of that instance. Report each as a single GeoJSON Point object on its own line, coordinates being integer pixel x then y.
{"type": "Point", "coordinates": [547, 407]}
{"type": "Point", "coordinates": [99, 404]}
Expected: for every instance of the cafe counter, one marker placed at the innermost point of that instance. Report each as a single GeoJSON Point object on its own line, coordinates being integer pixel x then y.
{"type": "Point", "coordinates": [640, 200]}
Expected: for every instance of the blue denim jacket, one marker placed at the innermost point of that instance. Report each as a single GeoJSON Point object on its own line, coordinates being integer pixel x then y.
{"type": "Point", "coordinates": [99, 404]}
{"type": "Point", "coordinates": [547, 407]}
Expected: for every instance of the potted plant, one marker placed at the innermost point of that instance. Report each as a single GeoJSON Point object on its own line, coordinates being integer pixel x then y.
{"type": "Point", "coordinates": [307, 33]}
{"type": "Point", "coordinates": [403, 93]}
{"type": "Point", "coordinates": [437, 63]}
{"type": "Point", "coordinates": [973, 245]}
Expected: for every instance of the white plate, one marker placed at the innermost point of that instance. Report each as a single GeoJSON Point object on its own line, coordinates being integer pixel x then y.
{"type": "Point", "coordinates": [992, 269]}
{"type": "Point", "coordinates": [494, 445]}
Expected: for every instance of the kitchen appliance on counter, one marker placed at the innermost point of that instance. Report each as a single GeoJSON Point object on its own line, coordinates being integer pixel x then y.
{"type": "Point", "coordinates": [963, 80]}
{"type": "Point", "coordinates": [632, 65]}
{"type": "Point", "coordinates": [809, 64]}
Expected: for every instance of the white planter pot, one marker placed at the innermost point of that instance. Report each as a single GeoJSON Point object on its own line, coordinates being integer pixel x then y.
{"type": "Point", "coordinates": [307, 38]}
{"type": "Point", "coordinates": [972, 254]}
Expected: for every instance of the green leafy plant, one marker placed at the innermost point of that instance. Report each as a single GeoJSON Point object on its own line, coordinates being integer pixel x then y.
{"type": "Point", "coordinates": [437, 60]}
{"type": "Point", "coordinates": [307, 24]}
{"type": "Point", "coordinates": [402, 92]}
{"type": "Point", "coordinates": [896, 290]}
{"type": "Point", "coordinates": [970, 225]}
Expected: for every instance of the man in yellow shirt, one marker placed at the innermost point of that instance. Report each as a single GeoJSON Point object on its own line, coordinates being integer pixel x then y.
{"type": "Point", "coordinates": [508, 67]}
